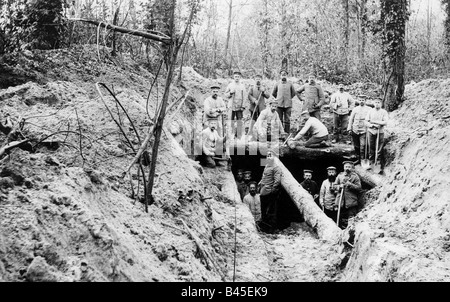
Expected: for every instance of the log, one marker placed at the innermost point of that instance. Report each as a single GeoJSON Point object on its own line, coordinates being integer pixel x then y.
{"type": "Point", "coordinates": [336, 152]}
{"type": "Point", "coordinates": [325, 227]}
{"type": "Point", "coordinates": [371, 179]}
{"type": "Point", "coordinates": [124, 30]}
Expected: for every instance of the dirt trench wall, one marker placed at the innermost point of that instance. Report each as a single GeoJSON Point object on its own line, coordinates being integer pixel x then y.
{"type": "Point", "coordinates": [406, 231]}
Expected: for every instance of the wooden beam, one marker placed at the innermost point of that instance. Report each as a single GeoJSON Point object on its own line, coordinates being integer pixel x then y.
{"type": "Point", "coordinates": [325, 227]}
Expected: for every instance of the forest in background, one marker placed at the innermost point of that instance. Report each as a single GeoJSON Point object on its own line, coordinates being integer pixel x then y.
{"type": "Point", "coordinates": [383, 42]}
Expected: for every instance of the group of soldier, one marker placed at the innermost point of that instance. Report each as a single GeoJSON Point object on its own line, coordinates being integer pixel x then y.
{"type": "Point", "coordinates": [273, 122]}
{"type": "Point", "coordinates": [338, 193]}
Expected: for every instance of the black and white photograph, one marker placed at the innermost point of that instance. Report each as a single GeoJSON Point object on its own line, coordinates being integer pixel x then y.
{"type": "Point", "coordinates": [224, 146]}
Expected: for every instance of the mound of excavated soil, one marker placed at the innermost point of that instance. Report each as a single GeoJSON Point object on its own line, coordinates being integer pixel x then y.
{"type": "Point", "coordinates": [68, 214]}
{"type": "Point", "coordinates": [405, 235]}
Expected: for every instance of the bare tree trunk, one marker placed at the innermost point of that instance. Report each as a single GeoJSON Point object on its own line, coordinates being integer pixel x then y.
{"type": "Point", "coordinates": [114, 38]}
{"type": "Point", "coordinates": [346, 16]}
{"type": "Point", "coordinates": [364, 20]}
{"type": "Point", "coordinates": [227, 41]}
{"type": "Point", "coordinates": [446, 5]}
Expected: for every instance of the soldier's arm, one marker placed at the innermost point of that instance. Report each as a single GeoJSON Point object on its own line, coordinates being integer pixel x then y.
{"type": "Point", "coordinates": [322, 193]}
{"type": "Point", "coordinates": [321, 97]}
{"type": "Point", "coordinates": [277, 179]}
{"type": "Point", "coordinates": [251, 98]}
{"type": "Point", "coordinates": [275, 91]}
{"type": "Point", "coordinates": [351, 121]}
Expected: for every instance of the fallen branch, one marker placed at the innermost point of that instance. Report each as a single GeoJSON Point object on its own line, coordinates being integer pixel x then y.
{"type": "Point", "coordinates": [11, 146]}
{"type": "Point", "coordinates": [124, 30]}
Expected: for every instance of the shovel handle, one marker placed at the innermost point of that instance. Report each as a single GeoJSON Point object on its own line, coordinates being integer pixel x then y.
{"type": "Point", "coordinates": [339, 207]}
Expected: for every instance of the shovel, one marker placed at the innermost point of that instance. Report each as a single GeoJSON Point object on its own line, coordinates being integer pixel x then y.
{"type": "Point", "coordinates": [377, 167]}
{"type": "Point", "coordinates": [339, 207]}
{"type": "Point", "coordinates": [365, 163]}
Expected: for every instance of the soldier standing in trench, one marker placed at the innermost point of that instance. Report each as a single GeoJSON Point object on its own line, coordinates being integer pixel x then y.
{"type": "Point", "coordinates": [327, 196]}
{"type": "Point", "coordinates": [349, 184]}
{"type": "Point", "coordinates": [237, 102]}
{"type": "Point", "coordinates": [257, 96]}
{"type": "Point", "coordinates": [311, 186]}
{"type": "Point", "coordinates": [270, 189]}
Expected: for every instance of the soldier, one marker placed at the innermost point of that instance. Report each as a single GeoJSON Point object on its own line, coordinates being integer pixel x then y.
{"type": "Point", "coordinates": [270, 188]}
{"type": "Point", "coordinates": [257, 96]}
{"type": "Point", "coordinates": [214, 107]}
{"type": "Point", "coordinates": [357, 124]}
{"type": "Point", "coordinates": [310, 185]}
{"type": "Point", "coordinates": [314, 97]}
{"type": "Point", "coordinates": [376, 120]}
{"type": "Point", "coordinates": [348, 184]}
{"type": "Point", "coordinates": [240, 183]}
{"type": "Point", "coordinates": [252, 199]}
{"type": "Point", "coordinates": [327, 196]}
{"type": "Point", "coordinates": [318, 131]}
{"type": "Point", "coordinates": [341, 104]}
{"type": "Point", "coordinates": [284, 92]}
{"type": "Point", "coordinates": [247, 181]}
{"type": "Point", "coordinates": [268, 127]}
{"type": "Point", "coordinates": [236, 94]}
{"type": "Point", "coordinates": [210, 140]}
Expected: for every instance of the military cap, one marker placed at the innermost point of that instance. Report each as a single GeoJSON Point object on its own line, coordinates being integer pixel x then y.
{"type": "Point", "coordinates": [283, 70]}
{"type": "Point", "coordinates": [215, 86]}
{"type": "Point", "coordinates": [248, 172]}
{"type": "Point", "coordinates": [348, 162]}
{"type": "Point", "coordinates": [271, 101]}
{"type": "Point", "coordinates": [307, 171]}
{"type": "Point", "coordinates": [258, 76]}
{"type": "Point", "coordinates": [331, 168]}
{"type": "Point", "coordinates": [240, 170]}
{"type": "Point", "coordinates": [212, 119]}
{"type": "Point", "coordinates": [237, 72]}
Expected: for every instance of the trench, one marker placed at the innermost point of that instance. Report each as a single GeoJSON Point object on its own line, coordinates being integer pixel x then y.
{"type": "Point", "coordinates": [288, 212]}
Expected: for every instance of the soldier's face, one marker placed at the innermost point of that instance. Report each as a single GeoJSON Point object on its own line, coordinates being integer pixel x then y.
{"type": "Point", "coordinates": [362, 103]}
{"type": "Point", "coordinates": [247, 177]}
{"type": "Point", "coordinates": [378, 104]}
{"type": "Point", "coordinates": [308, 176]}
{"type": "Point", "coordinates": [331, 173]}
{"type": "Point", "coordinates": [258, 81]}
{"type": "Point", "coordinates": [284, 76]}
{"type": "Point", "coordinates": [273, 107]}
{"type": "Point", "coordinates": [237, 78]}
{"type": "Point", "coordinates": [215, 93]}
{"type": "Point", "coordinates": [348, 168]}
{"type": "Point", "coordinates": [252, 189]}
{"type": "Point", "coordinates": [240, 175]}
{"type": "Point", "coordinates": [213, 125]}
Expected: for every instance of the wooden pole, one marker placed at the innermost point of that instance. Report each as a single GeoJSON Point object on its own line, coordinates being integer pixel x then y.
{"type": "Point", "coordinates": [325, 227]}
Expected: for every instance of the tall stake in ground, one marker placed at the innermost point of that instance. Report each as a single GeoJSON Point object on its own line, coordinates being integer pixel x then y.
{"type": "Point", "coordinates": [173, 50]}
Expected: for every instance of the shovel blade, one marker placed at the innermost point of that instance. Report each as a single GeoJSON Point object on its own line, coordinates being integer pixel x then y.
{"type": "Point", "coordinates": [365, 164]}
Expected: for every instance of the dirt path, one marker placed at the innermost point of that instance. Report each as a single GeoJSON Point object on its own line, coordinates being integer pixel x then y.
{"type": "Point", "coordinates": [296, 255]}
